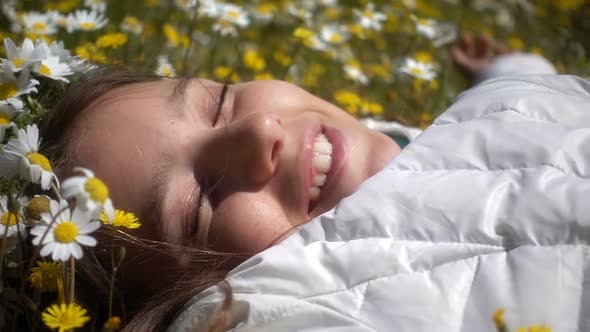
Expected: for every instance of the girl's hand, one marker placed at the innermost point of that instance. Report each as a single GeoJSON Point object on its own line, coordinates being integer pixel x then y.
{"type": "Point", "coordinates": [473, 56]}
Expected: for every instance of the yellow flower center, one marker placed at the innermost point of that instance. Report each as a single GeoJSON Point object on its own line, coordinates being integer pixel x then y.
{"type": "Point", "coordinates": [87, 25]}
{"type": "Point", "coordinates": [417, 70]}
{"type": "Point", "coordinates": [65, 232]}
{"type": "Point", "coordinates": [44, 70]}
{"type": "Point", "coordinates": [369, 14]}
{"type": "Point", "coordinates": [233, 14]}
{"type": "Point", "coordinates": [39, 159]}
{"type": "Point", "coordinates": [9, 219]}
{"type": "Point", "coordinates": [36, 206]}
{"type": "Point", "coordinates": [18, 62]}
{"type": "Point", "coordinates": [336, 38]}
{"type": "Point", "coordinates": [8, 90]}
{"type": "Point", "coordinates": [167, 71]}
{"type": "Point", "coordinates": [4, 118]}
{"type": "Point", "coordinates": [97, 190]}
{"type": "Point", "coordinates": [39, 26]}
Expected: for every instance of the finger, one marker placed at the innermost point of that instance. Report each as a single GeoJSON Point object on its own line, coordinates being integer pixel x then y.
{"type": "Point", "coordinates": [467, 44]}
{"type": "Point", "coordinates": [484, 47]}
{"type": "Point", "coordinates": [462, 59]}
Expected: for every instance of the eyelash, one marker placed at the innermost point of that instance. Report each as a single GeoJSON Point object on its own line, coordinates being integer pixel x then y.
{"type": "Point", "coordinates": [205, 190]}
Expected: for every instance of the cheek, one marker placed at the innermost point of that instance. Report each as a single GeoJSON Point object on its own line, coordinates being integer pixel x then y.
{"type": "Point", "coordinates": [246, 223]}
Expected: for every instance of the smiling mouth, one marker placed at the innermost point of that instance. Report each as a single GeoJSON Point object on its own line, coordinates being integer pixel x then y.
{"type": "Point", "coordinates": [321, 165]}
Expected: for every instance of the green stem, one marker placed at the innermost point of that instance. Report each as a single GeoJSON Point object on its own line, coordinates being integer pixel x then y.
{"type": "Point", "coordinates": [72, 279]}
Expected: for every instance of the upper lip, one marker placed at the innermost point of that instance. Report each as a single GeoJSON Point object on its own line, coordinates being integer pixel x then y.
{"type": "Point", "coordinates": [306, 161]}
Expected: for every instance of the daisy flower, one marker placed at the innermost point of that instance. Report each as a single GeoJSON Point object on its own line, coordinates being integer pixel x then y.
{"type": "Point", "coordinates": [164, 68]}
{"type": "Point", "coordinates": [21, 155]}
{"type": "Point", "coordinates": [209, 8]}
{"type": "Point", "coordinates": [131, 24]}
{"type": "Point", "coordinates": [11, 222]}
{"type": "Point", "coordinates": [354, 71]}
{"type": "Point", "coordinates": [75, 63]}
{"type": "Point", "coordinates": [64, 232]}
{"type": "Point", "coordinates": [57, 18]}
{"type": "Point", "coordinates": [421, 70]}
{"type": "Point", "coordinates": [86, 20]}
{"type": "Point", "coordinates": [90, 192]}
{"type": "Point", "coordinates": [234, 14]}
{"type": "Point", "coordinates": [425, 27]}
{"type": "Point", "coordinates": [369, 18]}
{"type": "Point", "coordinates": [21, 57]}
{"type": "Point", "coordinates": [230, 17]}
{"type": "Point", "coordinates": [304, 14]}
{"type": "Point", "coordinates": [7, 112]}
{"type": "Point", "coordinates": [52, 68]}
{"type": "Point", "coordinates": [225, 28]}
{"type": "Point", "coordinates": [12, 87]}
{"type": "Point", "coordinates": [97, 5]}
{"type": "Point", "coordinates": [65, 317]}
{"type": "Point", "coordinates": [38, 24]}
{"type": "Point", "coordinates": [334, 34]}
{"type": "Point", "coordinates": [185, 4]}
{"type": "Point", "coordinates": [264, 12]}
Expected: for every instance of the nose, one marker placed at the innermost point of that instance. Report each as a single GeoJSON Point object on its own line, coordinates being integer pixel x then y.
{"type": "Point", "coordinates": [250, 148]}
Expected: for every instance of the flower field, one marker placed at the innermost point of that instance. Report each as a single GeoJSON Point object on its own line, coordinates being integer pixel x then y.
{"type": "Point", "coordinates": [382, 59]}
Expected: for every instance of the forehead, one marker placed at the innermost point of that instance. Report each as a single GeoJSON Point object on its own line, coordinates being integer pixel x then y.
{"type": "Point", "coordinates": [122, 136]}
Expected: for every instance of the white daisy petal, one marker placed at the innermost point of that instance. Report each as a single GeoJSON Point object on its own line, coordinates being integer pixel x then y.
{"type": "Point", "coordinates": [76, 250]}
{"type": "Point", "coordinates": [47, 249]}
{"type": "Point", "coordinates": [86, 240]}
{"type": "Point", "coordinates": [89, 227]}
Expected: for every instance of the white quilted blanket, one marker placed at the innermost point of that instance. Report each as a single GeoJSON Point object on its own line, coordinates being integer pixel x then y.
{"type": "Point", "coordinates": [488, 208]}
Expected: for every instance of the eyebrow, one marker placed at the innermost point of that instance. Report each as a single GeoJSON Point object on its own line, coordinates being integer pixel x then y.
{"type": "Point", "coordinates": [179, 92]}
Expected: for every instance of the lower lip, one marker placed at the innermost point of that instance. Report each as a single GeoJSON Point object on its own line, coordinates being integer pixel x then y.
{"type": "Point", "coordinates": [339, 157]}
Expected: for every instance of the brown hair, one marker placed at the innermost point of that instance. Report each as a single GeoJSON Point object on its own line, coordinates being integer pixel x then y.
{"type": "Point", "coordinates": [151, 310]}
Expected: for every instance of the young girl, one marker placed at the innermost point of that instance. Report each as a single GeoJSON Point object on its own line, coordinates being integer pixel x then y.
{"type": "Point", "coordinates": [214, 168]}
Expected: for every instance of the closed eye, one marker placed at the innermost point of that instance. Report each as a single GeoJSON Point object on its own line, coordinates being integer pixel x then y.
{"type": "Point", "coordinates": [206, 187]}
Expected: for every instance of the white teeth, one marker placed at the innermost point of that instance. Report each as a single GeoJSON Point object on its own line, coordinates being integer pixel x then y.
{"type": "Point", "coordinates": [314, 193]}
{"type": "Point", "coordinates": [323, 148]}
{"type": "Point", "coordinates": [319, 180]}
{"type": "Point", "coordinates": [321, 162]}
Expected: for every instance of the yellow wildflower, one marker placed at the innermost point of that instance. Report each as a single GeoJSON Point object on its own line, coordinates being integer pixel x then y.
{"type": "Point", "coordinates": [65, 316]}
{"type": "Point", "coordinates": [371, 108]}
{"type": "Point", "coordinates": [351, 101]}
{"type": "Point", "coordinates": [113, 324]}
{"type": "Point", "coordinates": [515, 43]}
{"type": "Point", "coordinates": [111, 40]}
{"type": "Point", "coordinates": [226, 74]}
{"type": "Point", "coordinates": [263, 76]}
{"type": "Point", "coordinates": [423, 57]}
{"type": "Point", "coordinates": [498, 318]}
{"type": "Point", "coordinates": [253, 60]}
{"type": "Point", "coordinates": [46, 276]}
{"type": "Point", "coordinates": [304, 35]}
{"type": "Point", "coordinates": [122, 219]}
{"type": "Point", "coordinates": [90, 52]}
{"type": "Point", "coordinates": [282, 58]}
{"type": "Point", "coordinates": [175, 37]}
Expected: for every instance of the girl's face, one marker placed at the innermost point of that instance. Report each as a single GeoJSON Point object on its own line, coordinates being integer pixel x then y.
{"type": "Point", "coordinates": [232, 176]}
